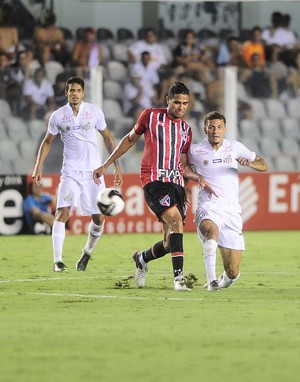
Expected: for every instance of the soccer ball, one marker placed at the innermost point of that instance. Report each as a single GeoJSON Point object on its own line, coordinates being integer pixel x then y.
{"type": "Point", "coordinates": [110, 202]}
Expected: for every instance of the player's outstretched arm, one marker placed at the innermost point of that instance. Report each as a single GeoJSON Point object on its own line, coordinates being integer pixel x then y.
{"type": "Point", "coordinates": [259, 164]}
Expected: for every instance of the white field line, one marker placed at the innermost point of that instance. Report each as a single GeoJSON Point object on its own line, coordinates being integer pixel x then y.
{"type": "Point", "coordinates": [96, 296]}
{"type": "Point", "coordinates": [38, 279]}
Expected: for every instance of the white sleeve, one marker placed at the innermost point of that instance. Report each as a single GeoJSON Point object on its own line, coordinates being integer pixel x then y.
{"type": "Point", "coordinates": [101, 122]}
{"type": "Point", "coordinates": [52, 125]}
{"type": "Point", "coordinates": [244, 152]}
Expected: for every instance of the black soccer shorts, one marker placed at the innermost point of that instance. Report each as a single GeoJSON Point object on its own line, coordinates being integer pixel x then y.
{"type": "Point", "coordinates": [160, 196]}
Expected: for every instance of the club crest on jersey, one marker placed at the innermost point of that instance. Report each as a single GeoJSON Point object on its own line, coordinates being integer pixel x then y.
{"type": "Point", "coordinates": [165, 201]}
{"type": "Point", "coordinates": [86, 126]}
{"type": "Point", "coordinates": [183, 133]}
{"type": "Point", "coordinates": [205, 162]}
{"type": "Point", "coordinates": [68, 128]}
{"type": "Point", "coordinates": [228, 159]}
{"type": "Point", "coordinates": [68, 198]}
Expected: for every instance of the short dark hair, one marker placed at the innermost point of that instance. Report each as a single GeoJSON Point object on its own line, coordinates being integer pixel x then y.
{"type": "Point", "coordinates": [178, 88]}
{"type": "Point", "coordinates": [214, 115]}
{"type": "Point", "coordinates": [75, 80]}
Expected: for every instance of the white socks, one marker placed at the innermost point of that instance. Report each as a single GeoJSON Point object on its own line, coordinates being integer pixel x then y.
{"type": "Point", "coordinates": [59, 234]}
{"type": "Point", "coordinates": [58, 237]}
{"type": "Point", "coordinates": [209, 257]}
{"type": "Point", "coordinates": [225, 281]}
{"type": "Point", "coordinates": [94, 234]}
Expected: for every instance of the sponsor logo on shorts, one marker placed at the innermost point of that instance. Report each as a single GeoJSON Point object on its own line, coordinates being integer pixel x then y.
{"type": "Point", "coordinates": [203, 214]}
{"type": "Point", "coordinates": [165, 201]}
{"type": "Point", "coordinates": [219, 160]}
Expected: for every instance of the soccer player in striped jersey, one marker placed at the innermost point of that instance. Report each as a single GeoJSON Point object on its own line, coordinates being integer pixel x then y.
{"type": "Point", "coordinates": [167, 139]}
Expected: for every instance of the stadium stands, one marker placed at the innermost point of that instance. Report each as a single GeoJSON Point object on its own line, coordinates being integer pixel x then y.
{"type": "Point", "coordinates": [273, 131]}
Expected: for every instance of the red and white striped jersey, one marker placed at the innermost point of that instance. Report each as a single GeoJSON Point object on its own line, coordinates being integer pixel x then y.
{"type": "Point", "coordinates": [165, 140]}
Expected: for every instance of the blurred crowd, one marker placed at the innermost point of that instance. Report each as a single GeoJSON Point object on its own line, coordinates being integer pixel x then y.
{"type": "Point", "coordinates": [33, 72]}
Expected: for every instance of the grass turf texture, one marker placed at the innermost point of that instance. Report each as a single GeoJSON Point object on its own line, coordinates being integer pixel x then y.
{"type": "Point", "coordinates": [76, 326]}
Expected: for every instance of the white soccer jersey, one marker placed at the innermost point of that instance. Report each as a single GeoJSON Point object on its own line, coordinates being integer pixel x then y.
{"type": "Point", "coordinates": [79, 135]}
{"type": "Point", "coordinates": [220, 169]}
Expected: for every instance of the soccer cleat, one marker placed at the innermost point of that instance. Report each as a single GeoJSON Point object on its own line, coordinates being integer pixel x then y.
{"type": "Point", "coordinates": [83, 261]}
{"type": "Point", "coordinates": [59, 267]}
{"type": "Point", "coordinates": [180, 284]}
{"type": "Point", "coordinates": [213, 286]}
{"type": "Point", "coordinates": [140, 270]}
{"type": "Point", "coordinates": [225, 282]}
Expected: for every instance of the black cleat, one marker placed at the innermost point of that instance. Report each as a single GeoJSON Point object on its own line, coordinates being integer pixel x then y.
{"type": "Point", "coordinates": [83, 261]}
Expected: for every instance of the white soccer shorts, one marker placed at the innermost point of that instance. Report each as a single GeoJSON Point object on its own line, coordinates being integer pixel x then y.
{"type": "Point", "coordinates": [78, 191]}
{"type": "Point", "coordinates": [230, 226]}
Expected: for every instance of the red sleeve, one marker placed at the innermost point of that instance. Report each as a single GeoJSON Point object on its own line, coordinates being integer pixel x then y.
{"type": "Point", "coordinates": [142, 122]}
{"type": "Point", "coordinates": [188, 142]}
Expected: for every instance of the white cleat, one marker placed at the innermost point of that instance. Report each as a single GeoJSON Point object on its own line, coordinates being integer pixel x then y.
{"type": "Point", "coordinates": [59, 267]}
{"type": "Point", "coordinates": [180, 284]}
{"type": "Point", "coordinates": [213, 286]}
{"type": "Point", "coordinates": [140, 270]}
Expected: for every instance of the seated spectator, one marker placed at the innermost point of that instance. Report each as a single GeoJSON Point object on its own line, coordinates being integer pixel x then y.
{"type": "Point", "coordinates": [148, 44]}
{"type": "Point", "coordinates": [9, 36]}
{"type": "Point", "coordinates": [280, 34]}
{"type": "Point", "coordinates": [20, 71]}
{"type": "Point", "coordinates": [60, 89]}
{"type": "Point", "coordinates": [39, 96]}
{"type": "Point", "coordinates": [215, 94]}
{"type": "Point", "coordinates": [37, 208]}
{"type": "Point", "coordinates": [278, 72]}
{"type": "Point", "coordinates": [87, 53]}
{"type": "Point", "coordinates": [48, 42]}
{"type": "Point", "coordinates": [293, 79]}
{"type": "Point", "coordinates": [5, 74]}
{"type": "Point", "coordinates": [147, 71]}
{"type": "Point", "coordinates": [190, 57]}
{"type": "Point", "coordinates": [255, 45]}
{"type": "Point", "coordinates": [136, 97]}
{"type": "Point", "coordinates": [231, 53]}
{"type": "Point", "coordinates": [269, 34]}
{"type": "Point", "coordinates": [257, 81]}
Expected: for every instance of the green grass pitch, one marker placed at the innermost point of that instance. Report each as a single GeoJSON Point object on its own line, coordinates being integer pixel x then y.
{"type": "Point", "coordinates": [78, 327]}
